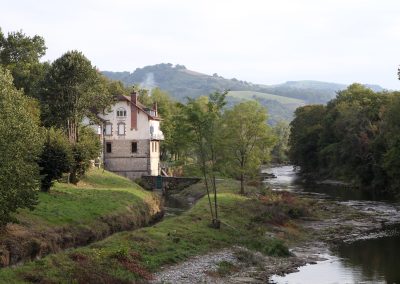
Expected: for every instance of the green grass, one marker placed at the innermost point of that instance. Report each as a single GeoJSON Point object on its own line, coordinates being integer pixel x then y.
{"type": "Point", "coordinates": [129, 256]}
{"type": "Point", "coordinates": [251, 95]}
{"type": "Point", "coordinates": [99, 194]}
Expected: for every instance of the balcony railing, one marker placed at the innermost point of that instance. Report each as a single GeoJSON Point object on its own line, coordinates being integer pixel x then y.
{"type": "Point", "coordinates": [157, 136]}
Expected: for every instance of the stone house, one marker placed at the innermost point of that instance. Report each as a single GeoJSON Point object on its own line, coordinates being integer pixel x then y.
{"type": "Point", "coordinates": [131, 138]}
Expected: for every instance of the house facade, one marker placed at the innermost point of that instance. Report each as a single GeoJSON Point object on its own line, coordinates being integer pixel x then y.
{"type": "Point", "coordinates": [131, 138]}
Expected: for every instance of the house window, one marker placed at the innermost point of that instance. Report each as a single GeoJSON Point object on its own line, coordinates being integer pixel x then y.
{"type": "Point", "coordinates": [134, 147]}
{"type": "Point", "coordinates": [108, 147]}
{"type": "Point", "coordinates": [108, 130]}
{"type": "Point", "coordinates": [121, 128]}
{"type": "Point", "coordinates": [121, 112]}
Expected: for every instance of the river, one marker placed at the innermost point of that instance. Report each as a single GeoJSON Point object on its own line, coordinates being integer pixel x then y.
{"type": "Point", "coordinates": [371, 259]}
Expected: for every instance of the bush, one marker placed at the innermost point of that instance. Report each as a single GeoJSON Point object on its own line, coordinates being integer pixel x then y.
{"type": "Point", "coordinates": [87, 148]}
{"type": "Point", "coordinates": [272, 247]}
{"type": "Point", "coordinates": [56, 158]}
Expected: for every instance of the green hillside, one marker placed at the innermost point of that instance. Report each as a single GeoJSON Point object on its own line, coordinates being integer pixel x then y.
{"type": "Point", "coordinates": [281, 100]}
{"type": "Point", "coordinates": [74, 215]}
{"type": "Point", "coordinates": [256, 95]}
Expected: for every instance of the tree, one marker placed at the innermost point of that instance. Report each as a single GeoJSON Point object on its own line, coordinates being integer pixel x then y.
{"type": "Point", "coordinates": [21, 54]}
{"type": "Point", "coordinates": [20, 146]}
{"type": "Point", "coordinates": [247, 139]}
{"type": "Point", "coordinates": [304, 137]}
{"type": "Point", "coordinates": [174, 144]}
{"type": "Point", "coordinates": [72, 90]}
{"type": "Point", "coordinates": [280, 151]}
{"type": "Point", "coordinates": [202, 122]}
{"type": "Point", "coordinates": [55, 159]}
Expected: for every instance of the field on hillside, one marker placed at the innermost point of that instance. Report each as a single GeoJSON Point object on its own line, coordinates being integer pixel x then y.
{"type": "Point", "coordinates": [254, 95]}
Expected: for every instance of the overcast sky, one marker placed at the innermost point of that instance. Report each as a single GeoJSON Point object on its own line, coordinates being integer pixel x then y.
{"type": "Point", "coordinates": [267, 42]}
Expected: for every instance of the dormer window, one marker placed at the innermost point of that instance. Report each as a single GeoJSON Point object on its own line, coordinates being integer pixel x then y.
{"type": "Point", "coordinates": [121, 113]}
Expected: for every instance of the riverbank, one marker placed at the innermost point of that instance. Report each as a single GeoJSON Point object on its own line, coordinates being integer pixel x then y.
{"type": "Point", "coordinates": [250, 247]}
{"type": "Point", "coordinates": [70, 216]}
{"type": "Point", "coordinates": [247, 221]}
{"type": "Point", "coordinates": [329, 224]}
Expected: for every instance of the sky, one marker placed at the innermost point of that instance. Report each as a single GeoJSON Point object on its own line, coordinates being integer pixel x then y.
{"type": "Point", "coordinates": [260, 41]}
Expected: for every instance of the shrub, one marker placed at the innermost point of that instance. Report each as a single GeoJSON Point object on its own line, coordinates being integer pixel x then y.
{"type": "Point", "coordinates": [55, 159]}
{"type": "Point", "coordinates": [87, 148]}
{"type": "Point", "coordinates": [272, 247]}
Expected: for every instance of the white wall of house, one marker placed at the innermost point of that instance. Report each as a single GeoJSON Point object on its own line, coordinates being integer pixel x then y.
{"type": "Point", "coordinates": [121, 160]}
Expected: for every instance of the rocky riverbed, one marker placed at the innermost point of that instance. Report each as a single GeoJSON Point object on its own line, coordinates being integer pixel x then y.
{"type": "Point", "coordinates": [337, 222]}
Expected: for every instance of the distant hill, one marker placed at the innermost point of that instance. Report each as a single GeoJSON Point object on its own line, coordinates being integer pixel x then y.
{"type": "Point", "coordinates": [281, 99]}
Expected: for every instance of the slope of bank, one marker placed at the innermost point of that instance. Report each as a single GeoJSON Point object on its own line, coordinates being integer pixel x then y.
{"type": "Point", "coordinates": [70, 216]}
{"type": "Point", "coordinates": [133, 256]}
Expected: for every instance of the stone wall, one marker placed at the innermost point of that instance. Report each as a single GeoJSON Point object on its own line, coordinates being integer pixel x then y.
{"type": "Point", "coordinates": [168, 183]}
{"type": "Point", "coordinates": [123, 162]}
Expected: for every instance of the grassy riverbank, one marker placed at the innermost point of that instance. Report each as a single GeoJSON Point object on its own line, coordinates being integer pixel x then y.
{"type": "Point", "coordinates": [68, 216]}
{"type": "Point", "coordinates": [129, 256]}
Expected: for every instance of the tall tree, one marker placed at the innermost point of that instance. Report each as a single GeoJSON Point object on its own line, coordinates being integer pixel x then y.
{"type": "Point", "coordinates": [72, 89]}
{"type": "Point", "coordinates": [202, 124]}
{"type": "Point", "coordinates": [21, 54]}
{"type": "Point", "coordinates": [247, 139]}
{"type": "Point", "coordinates": [20, 146]}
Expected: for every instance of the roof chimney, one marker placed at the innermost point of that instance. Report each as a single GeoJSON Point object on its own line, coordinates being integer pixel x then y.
{"type": "Point", "coordinates": [134, 110]}
{"type": "Point", "coordinates": [134, 97]}
{"type": "Point", "coordinates": [155, 108]}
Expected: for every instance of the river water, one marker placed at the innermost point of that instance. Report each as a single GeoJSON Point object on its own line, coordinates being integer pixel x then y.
{"type": "Point", "coordinates": [368, 260]}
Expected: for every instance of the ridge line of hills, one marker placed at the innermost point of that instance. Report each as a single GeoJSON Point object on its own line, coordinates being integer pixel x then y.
{"type": "Point", "coordinates": [280, 99]}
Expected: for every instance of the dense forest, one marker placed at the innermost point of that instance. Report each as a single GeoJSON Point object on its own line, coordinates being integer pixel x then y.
{"type": "Point", "coordinates": [354, 138]}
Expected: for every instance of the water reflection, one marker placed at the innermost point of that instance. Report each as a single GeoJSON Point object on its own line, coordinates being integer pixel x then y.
{"type": "Point", "coordinates": [288, 180]}
{"type": "Point", "coordinates": [364, 261]}
{"type": "Point", "coordinates": [375, 258]}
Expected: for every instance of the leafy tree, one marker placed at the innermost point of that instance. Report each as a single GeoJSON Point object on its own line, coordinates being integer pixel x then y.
{"type": "Point", "coordinates": [354, 138]}
{"type": "Point", "coordinates": [72, 89]}
{"type": "Point", "coordinates": [304, 137]}
{"type": "Point", "coordinates": [247, 139]}
{"type": "Point", "coordinates": [391, 135]}
{"type": "Point", "coordinates": [280, 151]}
{"type": "Point", "coordinates": [55, 159]}
{"type": "Point", "coordinates": [350, 140]}
{"type": "Point", "coordinates": [20, 146]}
{"type": "Point", "coordinates": [175, 145]}
{"type": "Point", "coordinates": [202, 124]}
{"type": "Point", "coordinates": [21, 54]}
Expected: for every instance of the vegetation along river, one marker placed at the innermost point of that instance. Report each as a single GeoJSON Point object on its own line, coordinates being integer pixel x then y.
{"type": "Point", "coordinates": [372, 258]}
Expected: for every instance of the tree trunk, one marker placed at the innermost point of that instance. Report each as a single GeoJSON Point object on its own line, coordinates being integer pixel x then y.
{"type": "Point", "coordinates": [242, 175]}
{"type": "Point", "coordinates": [241, 183]}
